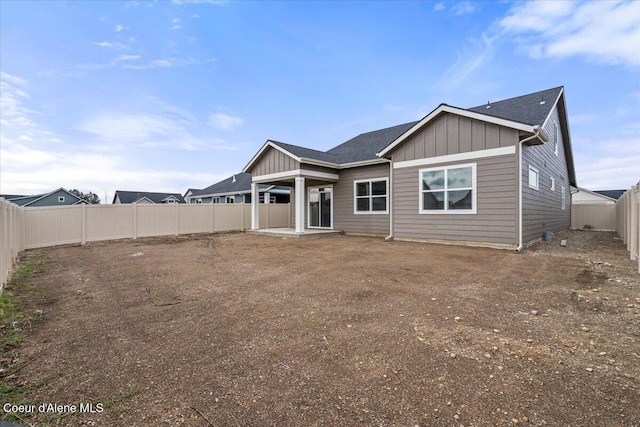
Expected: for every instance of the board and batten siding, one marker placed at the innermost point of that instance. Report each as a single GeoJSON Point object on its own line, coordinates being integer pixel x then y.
{"type": "Point", "coordinates": [542, 208]}
{"type": "Point", "coordinates": [52, 200]}
{"type": "Point", "coordinates": [274, 161]}
{"type": "Point", "coordinates": [496, 217]}
{"type": "Point", "coordinates": [343, 202]}
{"type": "Point", "coordinates": [452, 134]}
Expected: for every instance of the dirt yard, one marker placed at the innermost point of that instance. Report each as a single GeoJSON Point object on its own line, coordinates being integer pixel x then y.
{"type": "Point", "coordinates": [245, 330]}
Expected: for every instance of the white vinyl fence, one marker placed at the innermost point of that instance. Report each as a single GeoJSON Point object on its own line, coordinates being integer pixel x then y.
{"type": "Point", "coordinates": [628, 221]}
{"type": "Point", "coordinates": [600, 216]}
{"type": "Point", "coordinates": [28, 228]}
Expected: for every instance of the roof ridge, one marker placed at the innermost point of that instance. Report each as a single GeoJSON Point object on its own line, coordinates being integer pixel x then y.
{"type": "Point", "coordinates": [513, 97]}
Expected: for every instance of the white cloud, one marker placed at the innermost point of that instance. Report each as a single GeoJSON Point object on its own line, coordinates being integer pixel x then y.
{"type": "Point", "coordinates": [462, 8]}
{"type": "Point", "coordinates": [110, 45]}
{"type": "Point", "coordinates": [477, 53]}
{"type": "Point", "coordinates": [119, 28]}
{"type": "Point", "coordinates": [224, 121]}
{"type": "Point", "coordinates": [127, 58]}
{"type": "Point", "coordinates": [606, 32]}
{"type": "Point", "coordinates": [438, 7]}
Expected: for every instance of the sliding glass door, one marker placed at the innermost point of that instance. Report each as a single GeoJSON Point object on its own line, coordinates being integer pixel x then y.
{"type": "Point", "coordinates": [320, 205]}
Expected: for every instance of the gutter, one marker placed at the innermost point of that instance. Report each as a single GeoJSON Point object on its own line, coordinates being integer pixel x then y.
{"type": "Point", "coordinates": [390, 199]}
{"type": "Point", "coordinates": [536, 134]}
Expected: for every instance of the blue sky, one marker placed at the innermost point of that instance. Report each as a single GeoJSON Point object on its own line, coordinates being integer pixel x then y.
{"type": "Point", "coordinates": [164, 96]}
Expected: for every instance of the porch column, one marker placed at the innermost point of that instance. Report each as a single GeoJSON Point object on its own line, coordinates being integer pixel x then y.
{"type": "Point", "coordinates": [255, 206]}
{"type": "Point", "coordinates": [299, 192]}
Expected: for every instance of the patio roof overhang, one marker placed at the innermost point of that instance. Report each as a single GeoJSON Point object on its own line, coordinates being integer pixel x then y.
{"type": "Point", "coordinates": [296, 173]}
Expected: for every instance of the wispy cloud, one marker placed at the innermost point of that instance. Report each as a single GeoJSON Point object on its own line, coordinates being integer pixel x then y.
{"type": "Point", "coordinates": [438, 7]}
{"type": "Point", "coordinates": [606, 32]}
{"type": "Point", "coordinates": [110, 45]}
{"type": "Point", "coordinates": [462, 8]}
{"type": "Point", "coordinates": [224, 121]}
{"type": "Point", "coordinates": [118, 28]}
{"type": "Point", "coordinates": [476, 53]}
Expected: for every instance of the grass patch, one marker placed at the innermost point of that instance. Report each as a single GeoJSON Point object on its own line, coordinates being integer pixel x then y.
{"type": "Point", "coordinates": [12, 317]}
{"type": "Point", "coordinates": [121, 398]}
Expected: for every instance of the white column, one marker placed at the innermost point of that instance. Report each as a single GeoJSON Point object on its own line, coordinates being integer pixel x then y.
{"type": "Point", "coordinates": [267, 198]}
{"type": "Point", "coordinates": [255, 206]}
{"type": "Point", "coordinates": [300, 199]}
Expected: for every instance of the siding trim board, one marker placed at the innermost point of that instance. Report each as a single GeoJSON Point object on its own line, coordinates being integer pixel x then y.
{"type": "Point", "coordinates": [471, 155]}
{"type": "Point", "coordinates": [295, 173]}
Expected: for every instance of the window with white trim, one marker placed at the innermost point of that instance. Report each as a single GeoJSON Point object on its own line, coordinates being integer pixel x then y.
{"type": "Point", "coordinates": [371, 196]}
{"type": "Point", "coordinates": [552, 183]}
{"type": "Point", "coordinates": [216, 200]}
{"type": "Point", "coordinates": [564, 198]}
{"type": "Point", "coordinates": [534, 177]}
{"type": "Point", "coordinates": [230, 199]}
{"type": "Point", "coordinates": [556, 138]}
{"type": "Point", "coordinates": [450, 189]}
{"type": "Point", "coordinates": [60, 199]}
{"type": "Point", "coordinates": [198, 201]}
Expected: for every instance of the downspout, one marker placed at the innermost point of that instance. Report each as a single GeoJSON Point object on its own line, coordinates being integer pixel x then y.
{"type": "Point", "coordinates": [536, 134]}
{"type": "Point", "coordinates": [390, 199]}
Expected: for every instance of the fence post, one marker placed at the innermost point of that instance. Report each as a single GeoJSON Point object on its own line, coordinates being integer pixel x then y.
{"type": "Point", "coordinates": [177, 218]}
{"type": "Point", "coordinates": [83, 223]}
{"type": "Point", "coordinates": [212, 216]}
{"type": "Point", "coordinates": [134, 214]}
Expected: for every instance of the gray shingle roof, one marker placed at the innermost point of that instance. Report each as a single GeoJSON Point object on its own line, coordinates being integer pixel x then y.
{"type": "Point", "coordinates": [307, 153]}
{"type": "Point", "coordinates": [366, 145]}
{"type": "Point", "coordinates": [242, 184]}
{"type": "Point", "coordinates": [614, 194]}
{"type": "Point", "coordinates": [527, 109]}
{"type": "Point", "coordinates": [134, 196]}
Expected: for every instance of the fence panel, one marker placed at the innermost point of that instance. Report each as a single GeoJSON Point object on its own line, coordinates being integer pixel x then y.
{"type": "Point", "coordinates": [108, 222]}
{"type": "Point", "coordinates": [53, 225]}
{"type": "Point", "coordinates": [600, 216]}
{"type": "Point", "coordinates": [11, 238]}
{"type": "Point", "coordinates": [628, 221]}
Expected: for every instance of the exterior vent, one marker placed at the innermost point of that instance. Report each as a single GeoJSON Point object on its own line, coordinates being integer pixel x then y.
{"type": "Point", "coordinates": [233, 179]}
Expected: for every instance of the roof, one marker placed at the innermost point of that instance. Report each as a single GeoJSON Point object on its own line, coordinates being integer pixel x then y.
{"type": "Point", "coordinates": [134, 196]}
{"type": "Point", "coordinates": [532, 109]}
{"type": "Point", "coordinates": [235, 184]}
{"type": "Point", "coordinates": [366, 145]}
{"type": "Point", "coordinates": [28, 200]}
{"type": "Point", "coordinates": [525, 113]}
{"type": "Point", "coordinates": [12, 196]}
{"type": "Point", "coordinates": [614, 194]}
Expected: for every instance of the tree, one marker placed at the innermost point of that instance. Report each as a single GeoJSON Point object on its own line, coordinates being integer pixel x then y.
{"type": "Point", "coordinates": [89, 197]}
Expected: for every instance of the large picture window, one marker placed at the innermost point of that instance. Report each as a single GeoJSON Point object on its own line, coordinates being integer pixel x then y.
{"type": "Point", "coordinates": [450, 189]}
{"type": "Point", "coordinates": [371, 196]}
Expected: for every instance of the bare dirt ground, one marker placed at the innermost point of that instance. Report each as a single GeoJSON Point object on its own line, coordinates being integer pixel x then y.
{"type": "Point", "coordinates": [237, 329]}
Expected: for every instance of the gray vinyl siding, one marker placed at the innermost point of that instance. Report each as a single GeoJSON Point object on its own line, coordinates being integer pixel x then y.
{"type": "Point", "coordinates": [343, 202]}
{"type": "Point", "coordinates": [495, 222]}
{"type": "Point", "coordinates": [541, 209]}
{"type": "Point", "coordinates": [274, 161]}
{"type": "Point", "coordinates": [452, 134]}
{"type": "Point", "coordinates": [52, 200]}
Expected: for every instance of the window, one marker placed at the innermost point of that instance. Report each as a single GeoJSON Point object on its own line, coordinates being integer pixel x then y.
{"type": "Point", "coordinates": [448, 190]}
{"type": "Point", "coordinates": [170, 201]}
{"type": "Point", "coordinates": [370, 196]}
{"type": "Point", "coordinates": [564, 198]}
{"type": "Point", "coordinates": [552, 184]}
{"type": "Point", "coordinates": [198, 201]}
{"type": "Point", "coordinates": [230, 199]}
{"type": "Point", "coordinates": [533, 177]}
{"type": "Point", "coordinates": [556, 138]}
{"type": "Point", "coordinates": [61, 199]}
{"type": "Point", "coordinates": [216, 200]}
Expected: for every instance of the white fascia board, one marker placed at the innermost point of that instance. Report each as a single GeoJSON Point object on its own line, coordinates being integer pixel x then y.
{"type": "Point", "coordinates": [266, 145]}
{"type": "Point", "coordinates": [460, 112]}
{"type": "Point", "coordinates": [295, 173]}
{"type": "Point", "coordinates": [145, 198]}
{"type": "Point", "coordinates": [470, 155]}
{"type": "Point", "coordinates": [555, 105]}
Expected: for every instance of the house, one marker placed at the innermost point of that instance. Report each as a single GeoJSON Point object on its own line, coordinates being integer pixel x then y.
{"type": "Point", "coordinates": [237, 189]}
{"type": "Point", "coordinates": [59, 197]}
{"type": "Point", "coordinates": [582, 196]}
{"type": "Point", "coordinates": [497, 174]}
{"type": "Point", "coordinates": [146, 197]}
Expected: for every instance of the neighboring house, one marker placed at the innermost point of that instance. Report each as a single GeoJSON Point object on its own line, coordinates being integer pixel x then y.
{"type": "Point", "coordinates": [59, 197]}
{"type": "Point", "coordinates": [614, 194]}
{"type": "Point", "coordinates": [582, 196]}
{"type": "Point", "coordinates": [146, 197]}
{"type": "Point", "coordinates": [237, 189]}
{"type": "Point", "coordinates": [497, 174]}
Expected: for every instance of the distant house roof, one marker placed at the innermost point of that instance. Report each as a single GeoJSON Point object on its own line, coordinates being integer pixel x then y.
{"type": "Point", "coordinates": [236, 184]}
{"type": "Point", "coordinates": [614, 194]}
{"type": "Point", "coordinates": [135, 196]}
{"type": "Point", "coordinates": [21, 200]}
{"type": "Point", "coordinates": [524, 112]}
